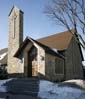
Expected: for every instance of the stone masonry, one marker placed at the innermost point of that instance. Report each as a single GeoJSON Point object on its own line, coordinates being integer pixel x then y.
{"type": "Point", "coordinates": [15, 39]}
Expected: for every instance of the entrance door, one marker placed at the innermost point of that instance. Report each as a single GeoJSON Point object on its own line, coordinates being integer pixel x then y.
{"type": "Point", "coordinates": [32, 62]}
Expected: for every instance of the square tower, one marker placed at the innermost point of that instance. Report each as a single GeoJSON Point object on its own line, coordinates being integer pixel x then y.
{"type": "Point", "coordinates": [15, 40]}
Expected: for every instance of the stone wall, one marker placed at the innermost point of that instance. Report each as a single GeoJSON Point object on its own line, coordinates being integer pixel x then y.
{"type": "Point", "coordinates": [15, 39]}
{"type": "Point", "coordinates": [73, 63]}
{"type": "Point", "coordinates": [40, 63]}
{"type": "Point", "coordinates": [45, 63]}
{"type": "Point", "coordinates": [50, 68]}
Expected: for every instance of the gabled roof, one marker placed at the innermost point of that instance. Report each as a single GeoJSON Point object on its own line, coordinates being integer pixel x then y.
{"type": "Point", "coordinates": [58, 41]}
{"type": "Point", "coordinates": [46, 48]}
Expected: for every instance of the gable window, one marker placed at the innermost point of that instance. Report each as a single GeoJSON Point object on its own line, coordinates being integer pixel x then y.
{"type": "Point", "coordinates": [59, 66]}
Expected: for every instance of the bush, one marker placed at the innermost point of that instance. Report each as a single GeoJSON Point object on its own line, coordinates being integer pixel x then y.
{"type": "Point", "coordinates": [3, 73]}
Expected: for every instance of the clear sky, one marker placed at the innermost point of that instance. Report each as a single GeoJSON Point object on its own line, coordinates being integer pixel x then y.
{"type": "Point", "coordinates": [36, 23]}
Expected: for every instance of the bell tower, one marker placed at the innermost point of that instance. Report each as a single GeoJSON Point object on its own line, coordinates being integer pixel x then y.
{"type": "Point", "coordinates": [15, 39]}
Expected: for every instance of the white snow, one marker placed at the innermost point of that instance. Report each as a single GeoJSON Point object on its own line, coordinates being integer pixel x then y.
{"type": "Point", "coordinates": [78, 82]}
{"type": "Point", "coordinates": [83, 64]}
{"type": "Point", "coordinates": [2, 87]}
{"type": "Point", "coordinates": [2, 56]}
{"type": "Point", "coordinates": [55, 50]}
{"type": "Point", "coordinates": [50, 90]}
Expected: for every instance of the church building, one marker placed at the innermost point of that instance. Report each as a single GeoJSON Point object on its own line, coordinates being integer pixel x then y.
{"type": "Point", "coordinates": [57, 57]}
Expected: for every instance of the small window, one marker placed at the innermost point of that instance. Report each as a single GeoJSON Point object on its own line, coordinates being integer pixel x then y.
{"type": "Point", "coordinates": [59, 66]}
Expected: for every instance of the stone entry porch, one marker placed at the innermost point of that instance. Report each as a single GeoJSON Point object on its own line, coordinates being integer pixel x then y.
{"type": "Point", "coordinates": [32, 63]}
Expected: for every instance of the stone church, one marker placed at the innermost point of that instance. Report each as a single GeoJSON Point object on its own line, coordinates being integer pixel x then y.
{"type": "Point", "coordinates": [56, 57]}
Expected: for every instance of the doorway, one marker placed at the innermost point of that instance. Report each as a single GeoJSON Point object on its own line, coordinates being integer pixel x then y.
{"type": "Point", "coordinates": [32, 62]}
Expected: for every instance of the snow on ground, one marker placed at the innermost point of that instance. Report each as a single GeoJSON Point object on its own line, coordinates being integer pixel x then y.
{"type": "Point", "coordinates": [3, 88]}
{"type": "Point", "coordinates": [50, 90]}
{"type": "Point", "coordinates": [78, 82]}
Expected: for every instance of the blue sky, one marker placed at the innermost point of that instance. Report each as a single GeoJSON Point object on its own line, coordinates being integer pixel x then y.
{"type": "Point", "coordinates": [36, 23]}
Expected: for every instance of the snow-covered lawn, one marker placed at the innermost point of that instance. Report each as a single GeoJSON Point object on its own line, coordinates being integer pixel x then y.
{"type": "Point", "coordinates": [49, 90]}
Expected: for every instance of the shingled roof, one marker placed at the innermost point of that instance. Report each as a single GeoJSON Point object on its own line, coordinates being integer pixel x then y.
{"type": "Point", "coordinates": [46, 48]}
{"type": "Point", "coordinates": [58, 41]}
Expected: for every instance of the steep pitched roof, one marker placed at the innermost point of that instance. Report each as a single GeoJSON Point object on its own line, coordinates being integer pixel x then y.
{"type": "Point", "coordinates": [58, 41]}
{"type": "Point", "coordinates": [46, 48]}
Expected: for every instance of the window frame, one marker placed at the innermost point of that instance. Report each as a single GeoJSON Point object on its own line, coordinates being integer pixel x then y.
{"type": "Point", "coordinates": [61, 65]}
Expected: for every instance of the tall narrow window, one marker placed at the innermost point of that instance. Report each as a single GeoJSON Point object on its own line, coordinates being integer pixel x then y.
{"type": "Point", "coordinates": [14, 24]}
{"type": "Point", "coordinates": [59, 66]}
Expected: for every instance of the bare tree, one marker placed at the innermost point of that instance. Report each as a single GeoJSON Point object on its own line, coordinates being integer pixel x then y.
{"type": "Point", "coordinates": [69, 13]}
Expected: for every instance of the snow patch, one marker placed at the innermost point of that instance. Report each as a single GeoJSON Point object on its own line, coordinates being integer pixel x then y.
{"type": "Point", "coordinates": [55, 50]}
{"type": "Point", "coordinates": [2, 87]}
{"type": "Point", "coordinates": [78, 82]}
{"type": "Point", "coordinates": [2, 56]}
{"type": "Point", "coordinates": [83, 64]}
{"type": "Point", "coordinates": [49, 90]}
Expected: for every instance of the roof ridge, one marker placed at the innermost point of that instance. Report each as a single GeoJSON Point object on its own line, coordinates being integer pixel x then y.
{"type": "Point", "coordinates": [59, 33]}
